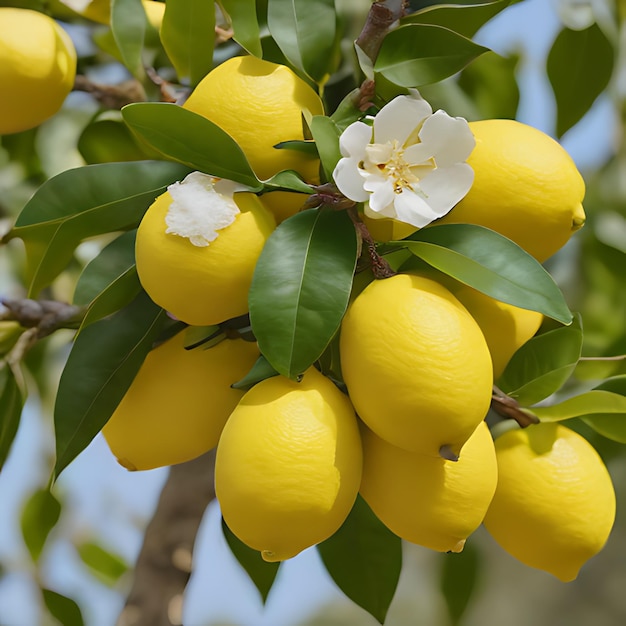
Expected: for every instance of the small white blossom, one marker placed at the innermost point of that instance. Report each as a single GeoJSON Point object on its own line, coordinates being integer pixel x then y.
{"type": "Point", "coordinates": [408, 165]}
{"type": "Point", "coordinates": [201, 205]}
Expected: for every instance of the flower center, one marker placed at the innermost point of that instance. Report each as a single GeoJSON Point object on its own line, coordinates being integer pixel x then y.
{"type": "Point", "coordinates": [389, 161]}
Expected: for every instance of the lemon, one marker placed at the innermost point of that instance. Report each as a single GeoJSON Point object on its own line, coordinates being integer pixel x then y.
{"type": "Point", "coordinates": [178, 403]}
{"type": "Point", "coordinates": [416, 364]}
{"type": "Point", "coordinates": [387, 229]}
{"type": "Point", "coordinates": [260, 104]}
{"type": "Point", "coordinates": [554, 505]}
{"type": "Point", "coordinates": [506, 327]}
{"type": "Point", "coordinates": [288, 465]}
{"type": "Point", "coordinates": [100, 10]}
{"type": "Point", "coordinates": [428, 500]}
{"type": "Point", "coordinates": [526, 187]}
{"type": "Point", "coordinates": [202, 284]}
{"type": "Point", "coordinates": [37, 68]}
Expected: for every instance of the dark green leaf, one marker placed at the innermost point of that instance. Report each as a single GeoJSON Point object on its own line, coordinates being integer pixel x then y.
{"type": "Point", "coordinates": [260, 371]}
{"type": "Point", "coordinates": [543, 364]}
{"type": "Point", "coordinates": [128, 24]}
{"type": "Point", "coordinates": [326, 134]}
{"type": "Point", "coordinates": [11, 404]}
{"type": "Point", "coordinates": [579, 66]}
{"type": "Point", "coordinates": [39, 516]}
{"type": "Point", "coordinates": [101, 366]}
{"type": "Point", "coordinates": [301, 288]}
{"type": "Point", "coordinates": [420, 54]}
{"type": "Point", "coordinates": [105, 565]}
{"type": "Point", "coordinates": [305, 31]}
{"type": "Point", "coordinates": [84, 202]}
{"type": "Point", "coordinates": [261, 573]}
{"type": "Point", "coordinates": [458, 580]}
{"type": "Point", "coordinates": [287, 180]}
{"type": "Point", "coordinates": [64, 609]}
{"type": "Point", "coordinates": [491, 263]}
{"type": "Point", "coordinates": [188, 36]}
{"type": "Point", "coordinates": [364, 558]}
{"type": "Point", "coordinates": [347, 111]}
{"type": "Point", "coordinates": [243, 17]}
{"type": "Point", "coordinates": [611, 425]}
{"type": "Point", "coordinates": [191, 139]}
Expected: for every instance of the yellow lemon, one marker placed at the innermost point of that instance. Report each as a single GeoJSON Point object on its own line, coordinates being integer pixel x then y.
{"type": "Point", "coordinates": [387, 229]}
{"type": "Point", "coordinates": [100, 10]}
{"type": "Point", "coordinates": [205, 282]}
{"type": "Point", "coordinates": [37, 68]}
{"type": "Point", "coordinates": [554, 505]}
{"type": "Point", "coordinates": [526, 187]}
{"type": "Point", "coordinates": [260, 104]}
{"type": "Point", "coordinates": [428, 500]}
{"type": "Point", "coordinates": [178, 403]}
{"type": "Point", "coordinates": [416, 364]}
{"type": "Point", "coordinates": [288, 465]}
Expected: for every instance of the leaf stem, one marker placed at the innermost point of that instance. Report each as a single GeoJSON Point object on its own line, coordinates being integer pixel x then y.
{"type": "Point", "coordinates": [509, 408]}
{"type": "Point", "coordinates": [380, 266]}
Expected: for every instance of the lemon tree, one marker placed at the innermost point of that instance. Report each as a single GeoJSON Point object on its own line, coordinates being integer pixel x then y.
{"type": "Point", "coordinates": [321, 248]}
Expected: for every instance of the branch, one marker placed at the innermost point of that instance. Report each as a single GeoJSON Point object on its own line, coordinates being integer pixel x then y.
{"type": "Point", "coordinates": [112, 96]}
{"type": "Point", "coordinates": [382, 14]}
{"type": "Point", "coordinates": [164, 564]}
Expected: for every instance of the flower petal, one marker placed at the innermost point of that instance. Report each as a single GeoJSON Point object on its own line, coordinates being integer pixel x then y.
{"type": "Point", "coordinates": [399, 118]}
{"type": "Point", "coordinates": [449, 138]}
{"type": "Point", "coordinates": [349, 181]}
{"type": "Point", "coordinates": [382, 196]}
{"type": "Point", "coordinates": [413, 209]}
{"type": "Point", "coordinates": [353, 140]}
{"type": "Point", "coordinates": [446, 186]}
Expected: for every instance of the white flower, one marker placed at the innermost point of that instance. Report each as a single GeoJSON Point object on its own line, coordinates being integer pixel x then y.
{"type": "Point", "coordinates": [581, 14]}
{"type": "Point", "coordinates": [201, 205]}
{"type": "Point", "coordinates": [409, 165]}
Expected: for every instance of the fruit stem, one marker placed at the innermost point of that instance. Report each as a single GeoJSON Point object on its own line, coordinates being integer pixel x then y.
{"type": "Point", "coordinates": [445, 452]}
{"type": "Point", "coordinates": [509, 408]}
{"type": "Point", "coordinates": [380, 266]}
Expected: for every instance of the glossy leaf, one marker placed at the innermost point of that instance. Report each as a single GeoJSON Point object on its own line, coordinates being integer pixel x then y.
{"type": "Point", "coordinates": [191, 139]}
{"type": "Point", "coordinates": [101, 366]}
{"type": "Point", "coordinates": [364, 558]}
{"type": "Point", "coordinates": [301, 288]}
{"type": "Point", "coordinates": [287, 180]}
{"type": "Point", "coordinates": [11, 404]}
{"type": "Point", "coordinates": [259, 371]}
{"type": "Point", "coordinates": [261, 573]}
{"type": "Point", "coordinates": [62, 608]}
{"type": "Point", "coordinates": [105, 565]}
{"type": "Point", "coordinates": [420, 54]}
{"type": "Point", "coordinates": [128, 25]}
{"type": "Point", "coordinates": [188, 36]}
{"type": "Point", "coordinates": [39, 516]}
{"type": "Point", "coordinates": [543, 364]}
{"type": "Point", "coordinates": [610, 424]}
{"type": "Point", "coordinates": [84, 202]}
{"type": "Point", "coordinates": [305, 31]}
{"type": "Point", "coordinates": [579, 66]}
{"type": "Point", "coordinates": [326, 134]}
{"type": "Point", "coordinates": [588, 403]}
{"type": "Point", "coordinates": [245, 24]}
{"type": "Point", "coordinates": [458, 580]}
{"type": "Point", "coordinates": [491, 263]}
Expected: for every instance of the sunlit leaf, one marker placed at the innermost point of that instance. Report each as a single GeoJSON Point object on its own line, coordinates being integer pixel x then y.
{"type": "Point", "coordinates": [11, 404]}
{"type": "Point", "coordinates": [64, 609]}
{"type": "Point", "coordinates": [39, 516]}
{"type": "Point", "coordinates": [326, 134]}
{"type": "Point", "coordinates": [610, 424]}
{"type": "Point", "coordinates": [245, 24]}
{"type": "Point", "coordinates": [105, 565]}
{"type": "Point", "coordinates": [591, 402]}
{"type": "Point", "coordinates": [128, 25]}
{"type": "Point", "coordinates": [458, 580]}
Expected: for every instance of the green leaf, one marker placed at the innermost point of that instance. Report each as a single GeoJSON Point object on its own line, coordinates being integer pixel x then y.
{"type": "Point", "coordinates": [64, 609]}
{"type": "Point", "coordinates": [543, 364]}
{"type": "Point", "coordinates": [364, 558]}
{"type": "Point", "coordinates": [420, 54]}
{"type": "Point", "coordinates": [326, 134]}
{"type": "Point", "coordinates": [84, 202]}
{"type": "Point", "coordinates": [105, 565]}
{"type": "Point", "coordinates": [611, 425]}
{"type": "Point", "coordinates": [188, 36]}
{"type": "Point", "coordinates": [491, 263]}
{"type": "Point", "coordinates": [306, 32]}
{"type": "Point", "coordinates": [39, 516]}
{"type": "Point", "coordinates": [11, 404]}
{"type": "Point", "coordinates": [128, 25]}
{"type": "Point", "coordinates": [588, 403]}
{"type": "Point", "coordinates": [101, 366]}
{"type": "Point", "coordinates": [191, 139]}
{"type": "Point", "coordinates": [458, 580]}
{"type": "Point", "coordinates": [287, 180]}
{"type": "Point", "coordinates": [245, 24]}
{"type": "Point", "coordinates": [261, 573]}
{"type": "Point", "coordinates": [261, 370]}
{"type": "Point", "coordinates": [301, 287]}
{"type": "Point", "coordinates": [579, 66]}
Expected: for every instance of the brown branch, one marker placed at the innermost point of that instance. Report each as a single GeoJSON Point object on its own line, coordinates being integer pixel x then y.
{"type": "Point", "coordinates": [112, 96]}
{"type": "Point", "coordinates": [164, 564]}
{"type": "Point", "coordinates": [509, 408]}
{"type": "Point", "coordinates": [382, 14]}
{"type": "Point", "coordinates": [380, 266]}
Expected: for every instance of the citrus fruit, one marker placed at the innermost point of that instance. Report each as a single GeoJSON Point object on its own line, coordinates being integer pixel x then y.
{"type": "Point", "coordinates": [416, 364]}
{"type": "Point", "coordinates": [387, 229]}
{"type": "Point", "coordinates": [205, 282]}
{"type": "Point", "coordinates": [178, 403]}
{"type": "Point", "coordinates": [425, 499]}
{"type": "Point", "coordinates": [260, 104]}
{"type": "Point", "coordinates": [100, 10]}
{"type": "Point", "coordinates": [554, 505]}
{"type": "Point", "coordinates": [37, 68]}
{"type": "Point", "coordinates": [526, 187]}
{"type": "Point", "coordinates": [288, 465]}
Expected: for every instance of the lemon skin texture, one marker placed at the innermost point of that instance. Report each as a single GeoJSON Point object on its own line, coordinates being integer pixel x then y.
{"type": "Point", "coordinates": [288, 465]}
{"type": "Point", "coordinates": [202, 285]}
{"type": "Point", "coordinates": [387, 229]}
{"type": "Point", "coordinates": [526, 187]}
{"type": "Point", "coordinates": [260, 104]}
{"type": "Point", "coordinates": [554, 505]}
{"type": "Point", "coordinates": [416, 364]}
{"type": "Point", "coordinates": [37, 68]}
{"type": "Point", "coordinates": [425, 499]}
{"type": "Point", "coordinates": [178, 403]}
{"type": "Point", "coordinates": [506, 327]}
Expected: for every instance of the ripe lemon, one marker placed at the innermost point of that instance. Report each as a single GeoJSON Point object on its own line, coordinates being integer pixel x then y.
{"type": "Point", "coordinates": [526, 187]}
{"type": "Point", "coordinates": [202, 285]}
{"type": "Point", "coordinates": [416, 364]}
{"type": "Point", "coordinates": [177, 405]}
{"type": "Point", "coordinates": [288, 465]}
{"type": "Point", "coordinates": [425, 499]}
{"type": "Point", "coordinates": [260, 104]}
{"type": "Point", "coordinates": [100, 10]}
{"type": "Point", "coordinates": [554, 505]}
{"type": "Point", "coordinates": [37, 68]}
